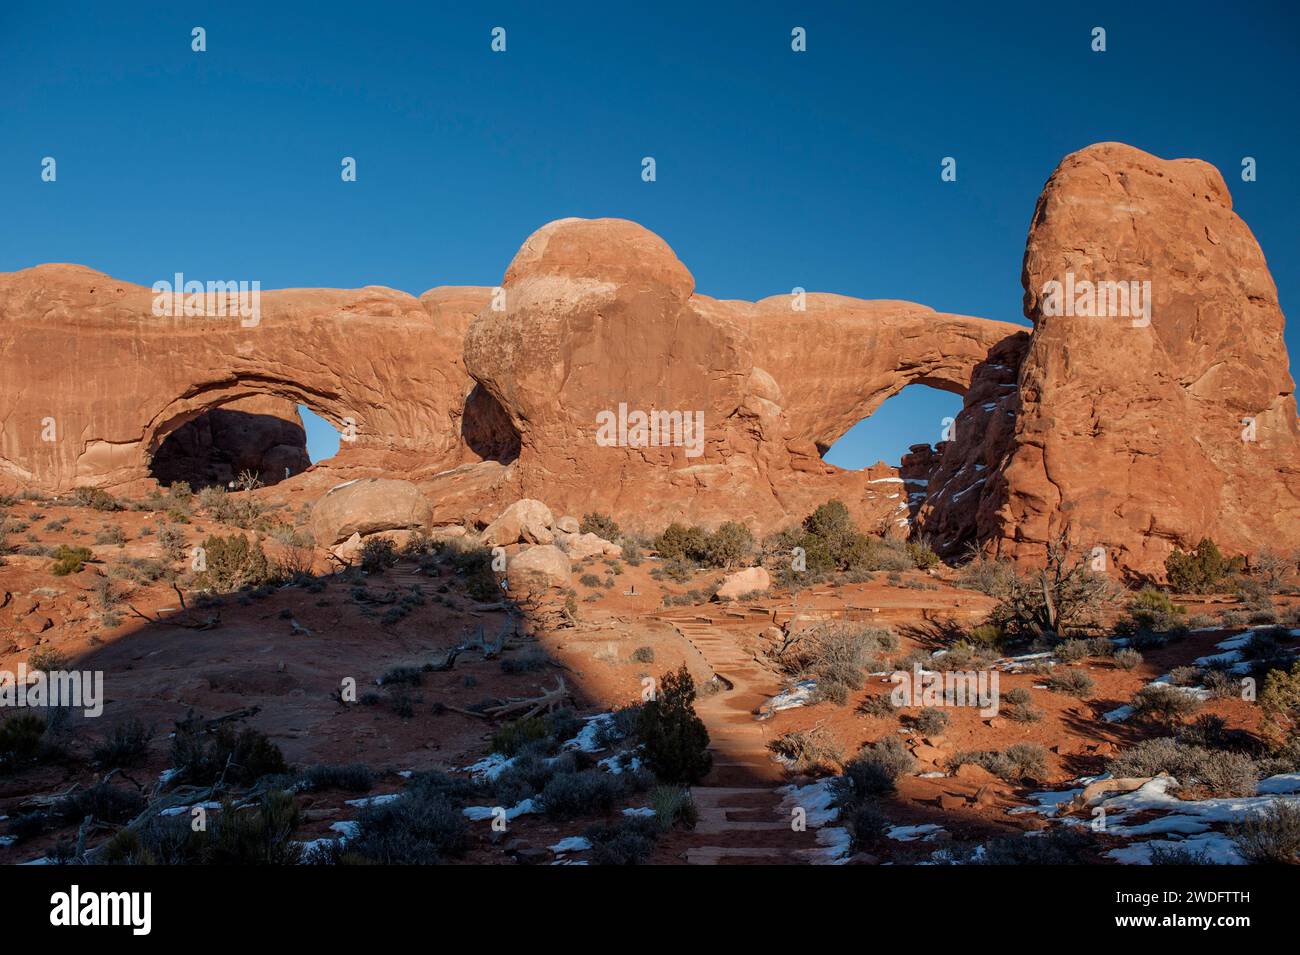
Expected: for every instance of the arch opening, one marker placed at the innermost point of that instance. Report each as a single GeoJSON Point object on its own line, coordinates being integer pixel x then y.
{"type": "Point", "coordinates": [919, 414]}
{"type": "Point", "coordinates": [258, 435]}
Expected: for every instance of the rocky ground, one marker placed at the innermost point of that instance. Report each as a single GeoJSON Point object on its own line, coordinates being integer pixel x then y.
{"type": "Point", "coordinates": [280, 658]}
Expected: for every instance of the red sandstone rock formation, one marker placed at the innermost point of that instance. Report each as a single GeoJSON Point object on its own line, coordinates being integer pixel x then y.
{"type": "Point", "coordinates": [1130, 434]}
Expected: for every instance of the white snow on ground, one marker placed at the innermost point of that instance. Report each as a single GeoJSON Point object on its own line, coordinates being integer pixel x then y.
{"type": "Point", "coordinates": [639, 811]}
{"type": "Point", "coordinates": [1049, 803]}
{"type": "Point", "coordinates": [1283, 784]}
{"type": "Point", "coordinates": [479, 813]}
{"type": "Point", "coordinates": [374, 800]}
{"type": "Point", "coordinates": [347, 829]}
{"type": "Point", "coordinates": [1015, 664]}
{"type": "Point", "coordinates": [6, 841]}
{"type": "Point", "coordinates": [618, 763]}
{"type": "Point", "coordinates": [833, 847]}
{"type": "Point", "coordinates": [1219, 848]}
{"type": "Point", "coordinates": [816, 799]}
{"type": "Point", "coordinates": [1119, 714]}
{"type": "Point", "coordinates": [798, 695]}
{"type": "Point", "coordinates": [572, 844]}
{"type": "Point", "coordinates": [1229, 656]}
{"type": "Point", "coordinates": [167, 775]}
{"type": "Point", "coordinates": [886, 480]}
{"type": "Point", "coordinates": [925, 832]}
{"type": "Point", "coordinates": [489, 767]}
{"type": "Point", "coordinates": [182, 810]}
{"type": "Point", "coordinates": [585, 741]}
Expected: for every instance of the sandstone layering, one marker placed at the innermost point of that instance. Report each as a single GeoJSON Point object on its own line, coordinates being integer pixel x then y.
{"type": "Point", "coordinates": [1131, 434]}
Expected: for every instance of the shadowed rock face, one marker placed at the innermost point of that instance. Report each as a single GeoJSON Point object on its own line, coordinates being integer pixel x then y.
{"type": "Point", "coordinates": [261, 435]}
{"type": "Point", "coordinates": [1128, 435]}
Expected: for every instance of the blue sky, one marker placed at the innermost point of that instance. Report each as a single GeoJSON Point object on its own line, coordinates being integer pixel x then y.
{"type": "Point", "coordinates": [775, 169]}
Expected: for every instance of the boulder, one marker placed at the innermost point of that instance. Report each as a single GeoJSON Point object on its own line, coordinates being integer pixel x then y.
{"type": "Point", "coordinates": [367, 506]}
{"type": "Point", "coordinates": [582, 546]}
{"type": "Point", "coordinates": [744, 582]}
{"type": "Point", "coordinates": [568, 524]}
{"type": "Point", "coordinates": [525, 521]}
{"type": "Point", "coordinates": [538, 568]}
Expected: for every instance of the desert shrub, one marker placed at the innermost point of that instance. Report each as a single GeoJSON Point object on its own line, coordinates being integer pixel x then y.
{"type": "Point", "coordinates": [69, 560]}
{"type": "Point", "coordinates": [1219, 772]}
{"type": "Point", "coordinates": [1059, 846]}
{"type": "Point", "coordinates": [202, 757]}
{"type": "Point", "coordinates": [377, 555]}
{"type": "Point", "coordinates": [1179, 855]}
{"type": "Point", "coordinates": [102, 801]}
{"type": "Point", "coordinates": [1161, 703]}
{"type": "Point", "coordinates": [1203, 570]}
{"type": "Point", "coordinates": [602, 525]}
{"type": "Point", "coordinates": [681, 543]}
{"type": "Point", "coordinates": [874, 771]}
{"type": "Point", "coordinates": [47, 660]}
{"type": "Point", "coordinates": [987, 635]}
{"type": "Point", "coordinates": [1075, 682]}
{"type": "Point", "coordinates": [930, 721]}
{"type": "Point", "coordinates": [110, 534]}
{"type": "Point", "coordinates": [807, 751]}
{"type": "Point", "coordinates": [21, 739]}
{"type": "Point", "coordinates": [675, 739]}
{"type": "Point", "coordinates": [643, 655]}
{"type": "Point", "coordinates": [529, 661]}
{"type": "Point", "coordinates": [1126, 659]}
{"type": "Point", "coordinates": [589, 580]}
{"type": "Point", "coordinates": [626, 842]}
{"type": "Point", "coordinates": [1152, 610]}
{"type": "Point", "coordinates": [1280, 703]}
{"type": "Point", "coordinates": [837, 655]}
{"type": "Point", "coordinates": [232, 563]}
{"type": "Point", "coordinates": [878, 705]}
{"type": "Point", "coordinates": [352, 778]}
{"type": "Point", "coordinates": [95, 498]}
{"type": "Point", "coordinates": [126, 745]}
{"type": "Point", "coordinates": [1072, 651]}
{"type": "Point", "coordinates": [591, 792]}
{"type": "Point", "coordinates": [1019, 761]}
{"type": "Point", "coordinates": [961, 656]}
{"type": "Point", "coordinates": [673, 805]}
{"type": "Point", "coordinates": [1222, 685]}
{"type": "Point", "coordinates": [988, 575]}
{"type": "Point", "coordinates": [1063, 594]}
{"type": "Point", "coordinates": [1185, 676]}
{"type": "Point", "coordinates": [1271, 837]}
{"type": "Point", "coordinates": [632, 552]}
{"type": "Point", "coordinates": [422, 827]}
{"type": "Point", "coordinates": [922, 554]}
{"type": "Point", "coordinates": [729, 546]}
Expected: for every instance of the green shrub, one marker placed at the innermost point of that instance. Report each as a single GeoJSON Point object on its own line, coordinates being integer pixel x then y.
{"type": "Point", "coordinates": [20, 738]}
{"type": "Point", "coordinates": [876, 768]}
{"type": "Point", "coordinates": [602, 525]}
{"type": "Point", "coordinates": [242, 757]}
{"type": "Point", "coordinates": [377, 555]}
{"type": "Point", "coordinates": [1153, 610]}
{"type": "Point", "coordinates": [592, 792]}
{"type": "Point", "coordinates": [675, 739]}
{"type": "Point", "coordinates": [69, 560]}
{"type": "Point", "coordinates": [96, 498]}
{"type": "Point", "coordinates": [233, 562]}
{"type": "Point", "coordinates": [1203, 570]}
{"type": "Point", "coordinates": [127, 745]}
{"type": "Point", "coordinates": [627, 842]}
{"type": "Point", "coordinates": [673, 805]}
{"type": "Point", "coordinates": [353, 778]}
{"type": "Point", "coordinates": [643, 655]}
